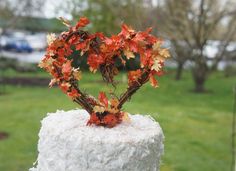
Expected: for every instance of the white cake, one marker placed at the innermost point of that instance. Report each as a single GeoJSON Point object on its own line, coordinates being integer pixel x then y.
{"type": "Point", "coordinates": [67, 144]}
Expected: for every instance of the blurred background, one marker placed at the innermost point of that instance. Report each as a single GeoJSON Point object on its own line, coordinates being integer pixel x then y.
{"type": "Point", "coordinates": [194, 101]}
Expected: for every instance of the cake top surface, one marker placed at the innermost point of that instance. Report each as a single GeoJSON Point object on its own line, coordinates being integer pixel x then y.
{"type": "Point", "coordinates": [139, 128]}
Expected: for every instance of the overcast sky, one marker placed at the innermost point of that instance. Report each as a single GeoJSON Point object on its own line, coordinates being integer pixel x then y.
{"type": "Point", "coordinates": [52, 7]}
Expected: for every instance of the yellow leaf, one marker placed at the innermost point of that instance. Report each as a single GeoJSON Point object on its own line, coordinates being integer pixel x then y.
{"type": "Point", "coordinates": [165, 53]}
{"type": "Point", "coordinates": [157, 45]}
{"type": "Point", "coordinates": [45, 63]}
{"type": "Point", "coordinates": [126, 117]}
{"type": "Point", "coordinates": [51, 37]}
{"type": "Point", "coordinates": [129, 54]}
{"type": "Point", "coordinates": [156, 66]}
{"type": "Point", "coordinates": [114, 102]}
{"type": "Point", "coordinates": [113, 110]}
{"type": "Point", "coordinates": [98, 109]}
{"type": "Point", "coordinates": [52, 82]}
{"type": "Point", "coordinates": [77, 74]}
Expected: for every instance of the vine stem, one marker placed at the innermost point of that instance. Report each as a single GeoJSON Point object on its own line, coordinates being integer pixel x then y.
{"type": "Point", "coordinates": [82, 99]}
{"type": "Point", "coordinates": [132, 89]}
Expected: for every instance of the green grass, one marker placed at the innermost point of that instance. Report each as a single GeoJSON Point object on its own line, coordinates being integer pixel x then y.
{"type": "Point", "coordinates": [197, 127]}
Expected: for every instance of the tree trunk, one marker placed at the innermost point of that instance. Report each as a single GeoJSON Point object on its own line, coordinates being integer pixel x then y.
{"type": "Point", "coordinates": [199, 86]}
{"type": "Point", "coordinates": [199, 74]}
{"type": "Point", "coordinates": [179, 70]}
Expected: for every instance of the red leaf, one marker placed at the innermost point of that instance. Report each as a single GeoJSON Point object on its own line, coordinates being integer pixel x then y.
{"type": "Point", "coordinates": [81, 45]}
{"type": "Point", "coordinates": [133, 46]}
{"type": "Point", "coordinates": [64, 87]}
{"type": "Point", "coordinates": [110, 120]}
{"type": "Point", "coordinates": [148, 30]}
{"type": "Point", "coordinates": [93, 120]}
{"type": "Point", "coordinates": [61, 52]}
{"type": "Point", "coordinates": [145, 58]}
{"type": "Point", "coordinates": [140, 36]}
{"type": "Point", "coordinates": [94, 61]}
{"type": "Point", "coordinates": [126, 31]}
{"type": "Point", "coordinates": [83, 21]}
{"type": "Point", "coordinates": [99, 35]}
{"type": "Point", "coordinates": [73, 93]}
{"type": "Point", "coordinates": [103, 99]}
{"type": "Point", "coordinates": [108, 41]}
{"type": "Point", "coordinates": [133, 76]}
{"type": "Point", "coordinates": [66, 68]}
{"type": "Point", "coordinates": [153, 81]}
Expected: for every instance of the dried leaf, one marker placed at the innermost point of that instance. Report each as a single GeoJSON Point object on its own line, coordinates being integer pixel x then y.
{"type": "Point", "coordinates": [156, 66]}
{"type": "Point", "coordinates": [83, 21]}
{"type": "Point", "coordinates": [125, 117]}
{"type": "Point", "coordinates": [103, 99]}
{"type": "Point", "coordinates": [98, 109]}
{"type": "Point", "coordinates": [133, 76]}
{"type": "Point", "coordinates": [129, 54]}
{"type": "Point", "coordinates": [46, 62]}
{"type": "Point", "coordinates": [165, 53]}
{"type": "Point", "coordinates": [51, 37]}
{"type": "Point", "coordinates": [157, 45]}
{"type": "Point", "coordinates": [52, 82]}
{"type": "Point", "coordinates": [77, 74]}
{"type": "Point", "coordinates": [114, 102]}
{"type": "Point", "coordinates": [153, 81]}
{"type": "Point", "coordinates": [65, 21]}
{"type": "Point", "coordinates": [66, 68]}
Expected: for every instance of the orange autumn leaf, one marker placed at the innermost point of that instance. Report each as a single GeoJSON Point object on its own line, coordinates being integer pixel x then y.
{"type": "Point", "coordinates": [110, 120]}
{"type": "Point", "coordinates": [133, 76]}
{"type": "Point", "coordinates": [103, 99]}
{"type": "Point", "coordinates": [83, 21]}
{"type": "Point", "coordinates": [126, 31]}
{"type": "Point", "coordinates": [93, 119]}
{"type": "Point", "coordinates": [73, 93]}
{"type": "Point", "coordinates": [94, 61]}
{"type": "Point", "coordinates": [66, 68]}
{"type": "Point", "coordinates": [114, 102]}
{"type": "Point", "coordinates": [81, 45]}
{"type": "Point", "coordinates": [153, 81]}
{"type": "Point", "coordinates": [65, 87]}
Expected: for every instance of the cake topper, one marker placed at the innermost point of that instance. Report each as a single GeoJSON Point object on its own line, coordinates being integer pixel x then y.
{"type": "Point", "coordinates": [102, 53]}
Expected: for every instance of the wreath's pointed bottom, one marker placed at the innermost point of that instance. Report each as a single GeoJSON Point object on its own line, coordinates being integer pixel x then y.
{"type": "Point", "coordinates": [67, 144]}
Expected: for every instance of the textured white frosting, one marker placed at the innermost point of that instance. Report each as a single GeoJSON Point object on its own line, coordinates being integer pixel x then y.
{"type": "Point", "coordinates": [67, 144]}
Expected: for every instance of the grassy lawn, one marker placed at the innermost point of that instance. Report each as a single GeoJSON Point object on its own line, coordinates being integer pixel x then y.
{"type": "Point", "coordinates": [197, 127]}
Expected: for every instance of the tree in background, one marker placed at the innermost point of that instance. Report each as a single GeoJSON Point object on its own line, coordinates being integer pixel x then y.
{"type": "Point", "coordinates": [107, 15]}
{"type": "Point", "coordinates": [194, 24]}
{"type": "Point", "coordinates": [13, 10]}
{"type": "Point", "coordinates": [180, 54]}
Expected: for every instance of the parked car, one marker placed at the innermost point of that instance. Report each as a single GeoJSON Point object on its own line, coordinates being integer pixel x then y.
{"type": "Point", "coordinates": [18, 45]}
{"type": "Point", "coordinates": [37, 41]}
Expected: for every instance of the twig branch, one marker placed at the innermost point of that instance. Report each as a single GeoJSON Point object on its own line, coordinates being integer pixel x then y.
{"type": "Point", "coordinates": [132, 89]}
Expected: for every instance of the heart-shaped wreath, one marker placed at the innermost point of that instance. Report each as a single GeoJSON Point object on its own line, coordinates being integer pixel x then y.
{"type": "Point", "coordinates": [102, 53]}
